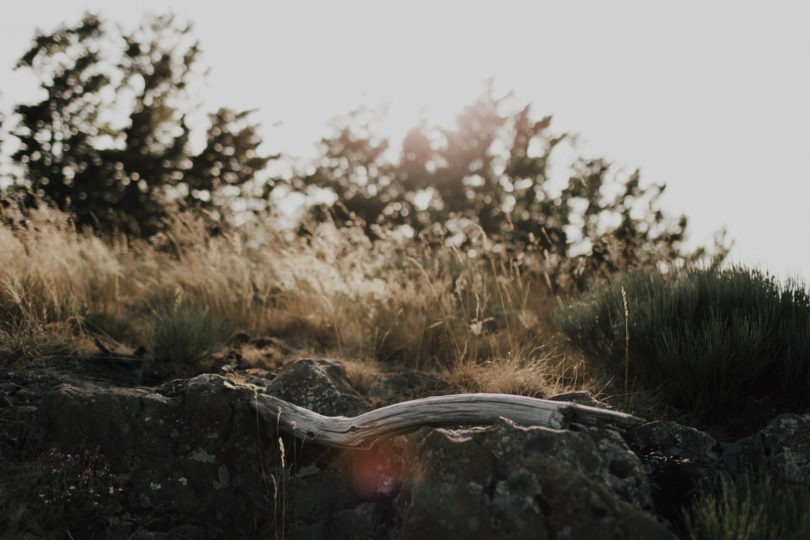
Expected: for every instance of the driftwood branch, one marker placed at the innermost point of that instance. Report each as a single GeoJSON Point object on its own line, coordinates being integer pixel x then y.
{"type": "Point", "coordinates": [453, 410]}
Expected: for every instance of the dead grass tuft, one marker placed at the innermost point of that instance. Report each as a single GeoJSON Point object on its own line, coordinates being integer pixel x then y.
{"type": "Point", "coordinates": [394, 303]}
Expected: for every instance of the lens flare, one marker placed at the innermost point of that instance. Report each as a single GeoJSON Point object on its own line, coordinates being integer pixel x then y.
{"type": "Point", "coordinates": [377, 472]}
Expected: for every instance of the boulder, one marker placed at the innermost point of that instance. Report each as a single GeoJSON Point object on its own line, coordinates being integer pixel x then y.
{"type": "Point", "coordinates": [781, 448]}
{"type": "Point", "coordinates": [680, 460]}
{"type": "Point", "coordinates": [192, 453]}
{"type": "Point", "coordinates": [193, 457]}
{"type": "Point", "coordinates": [508, 481]}
{"type": "Point", "coordinates": [683, 460]}
{"type": "Point", "coordinates": [319, 385]}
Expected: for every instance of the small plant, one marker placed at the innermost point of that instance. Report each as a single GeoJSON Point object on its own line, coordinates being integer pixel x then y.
{"type": "Point", "coordinates": [183, 333]}
{"type": "Point", "coordinates": [752, 507]}
{"type": "Point", "coordinates": [710, 342]}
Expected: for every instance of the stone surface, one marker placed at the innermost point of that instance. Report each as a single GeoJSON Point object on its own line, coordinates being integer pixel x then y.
{"type": "Point", "coordinates": [195, 456]}
{"type": "Point", "coordinates": [680, 461]}
{"type": "Point", "coordinates": [782, 447]}
{"type": "Point", "coordinates": [194, 461]}
{"type": "Point", "coordinates": [319, 385]}
{"type": "Point", "coordinates": [508, 481]}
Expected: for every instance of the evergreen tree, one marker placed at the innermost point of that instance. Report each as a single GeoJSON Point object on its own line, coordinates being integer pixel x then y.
{"type": "Point", "coordinates": [229, 162]}
{"type": "Point", "coordinates": [112, 174]}
{"type": "Point", "coordinates": [56, 134]}
{"type": "Point", "coordinates": [354, 167]}
{"type": "Point", "coordinates": [490, 172]}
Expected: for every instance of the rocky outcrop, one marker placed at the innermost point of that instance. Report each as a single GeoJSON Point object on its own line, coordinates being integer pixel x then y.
{"type": "Point", "coordinates": [680, 460]}
{"type": "Point", "coordinates": [190, 455]}
{"type": "Point", "coordinates": [782, 447]}
{"type": "Point", "coordinates": [194, 461]}
{"type": "Point", "coordinates": [509, 481]}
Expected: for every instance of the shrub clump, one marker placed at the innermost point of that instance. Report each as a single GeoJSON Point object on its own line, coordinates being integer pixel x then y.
{"type": "Point", "coordinates": [184, 332]}
{"type": "Point", "coordinates": [709, 342]}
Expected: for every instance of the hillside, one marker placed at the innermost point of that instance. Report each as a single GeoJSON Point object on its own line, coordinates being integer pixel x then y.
{"type": "Point", "coordinates": [131, 370]}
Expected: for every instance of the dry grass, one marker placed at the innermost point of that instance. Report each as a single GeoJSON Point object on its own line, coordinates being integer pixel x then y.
{"type": "Point", "coordinates": [531, 372]}
{"type": "Point", "coordinates": [392, 303]}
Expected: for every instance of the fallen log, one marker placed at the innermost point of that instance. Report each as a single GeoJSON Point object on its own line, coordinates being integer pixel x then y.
{"type": "Point", "coordinates": [363, 430]}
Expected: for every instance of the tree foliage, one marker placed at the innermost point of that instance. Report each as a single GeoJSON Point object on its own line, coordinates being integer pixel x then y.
{"type": "Point", "coordinates": [110, 139]}
{"type": "Point", "coordinates": [491, 172]}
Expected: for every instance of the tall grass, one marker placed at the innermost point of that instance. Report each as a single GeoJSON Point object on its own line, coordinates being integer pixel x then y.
{"type": "Point", "coordinates": [709, 341]}
{"type": "Point", "coordinates": [51, 279]}
{"type": "Point", "coordinates": [395, 301]}
{"type": "Point", "coordinates": [753, 507]}
{"type": "Point", "coordinates": [49, 273]}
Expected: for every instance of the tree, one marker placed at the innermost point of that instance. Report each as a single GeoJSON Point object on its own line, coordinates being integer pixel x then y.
{"type": "Point", "coordinates": [228, 163]}
{"type": "Point", "coordinates": [56, 134]}
{"type": "Point", "coordinates": [466, 181]}
{"type": "Point", "coordinates": [78, 153]}
{"type": "Point", "coordinates": [151, 154]}
{"type": "Point", "coordinates": [354, 167]}
{"type": "Point", "coordinates": [490, 172]}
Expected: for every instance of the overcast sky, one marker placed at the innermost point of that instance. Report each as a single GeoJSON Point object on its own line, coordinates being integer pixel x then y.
{"type": "Point", "coordinates": [710, 97]}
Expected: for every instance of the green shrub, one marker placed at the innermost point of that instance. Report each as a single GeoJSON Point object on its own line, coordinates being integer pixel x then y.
{"type": "Point", "coordinates": [707, 341]}
{"type": "Point", "coordinates": [753, 508]}
{"type": "Point", "coordinates": [183, 333]}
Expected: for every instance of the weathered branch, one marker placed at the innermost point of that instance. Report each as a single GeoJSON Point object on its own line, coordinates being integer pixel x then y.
{"type": "Point", "coordinates": [453, 410]}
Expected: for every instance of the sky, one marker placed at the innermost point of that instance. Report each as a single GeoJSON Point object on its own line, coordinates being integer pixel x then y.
{"type": "Point", "coordinates": [711, 97]}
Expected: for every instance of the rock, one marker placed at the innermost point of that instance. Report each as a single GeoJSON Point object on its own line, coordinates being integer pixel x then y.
{"type": "Point", "coordinates": [683, 460]}
{"type": "Point", "coordinates": [193, 454]}
{"type": "Point", "coordinates": [680, 459]}
{"type": "Point", "coordinates": [622, 470]}
{"type": "Point", "coordinates": [319, 385]}
{"type": "Point", "coordinates": [194, 461]}
{"type": "Point", "coordinates": [367, 520]}
{"type": "Point", "coordinates": [782, 448]}
{"type": "Point", "coordinates": [195, 458]}
{"type": "Point", "coordinates": [352, 496]}
{"type": "Point", "coordinates": [508, 481]}
{"type": "Point", "coordinates": [319, 497]}
{"type": "Point", "coordinates": [376, 473]}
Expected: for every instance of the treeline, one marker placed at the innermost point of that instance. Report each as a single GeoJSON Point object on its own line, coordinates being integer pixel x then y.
{"type": "Point", "coordinates": [110, 144]}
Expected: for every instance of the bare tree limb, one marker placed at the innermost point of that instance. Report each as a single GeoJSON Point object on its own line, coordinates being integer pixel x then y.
{"type": "Point", "coordinates": [453, 410]}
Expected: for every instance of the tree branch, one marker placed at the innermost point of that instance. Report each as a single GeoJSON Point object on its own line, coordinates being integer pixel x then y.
{"type": "Point", "coordinates": [460, 409]}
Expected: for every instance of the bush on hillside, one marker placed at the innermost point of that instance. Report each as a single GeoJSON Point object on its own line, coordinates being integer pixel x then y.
{"type": "Point", "coordinates": [709, 342]}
